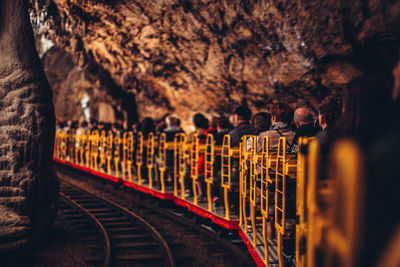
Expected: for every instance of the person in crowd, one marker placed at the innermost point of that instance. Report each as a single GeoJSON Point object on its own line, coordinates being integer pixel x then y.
{"type": "Point", "coordinates": [135, 128]}
{"type": "Point", "coordinates": [116, 127]}
{"type": "Point", "coordinates": [100, 126]}
{"type": "Point", "coordinates": [223, 127]}
{"type": "Point", "coordinates": [261, 122]}
{"type": "Point", "coordinates": [125, 126]}
{"type": "Point", "coordinates": [329, 111]}
{"type": "Point", "coordinates": [202, 129]}
{"type": "Point", "coordinates": [92, 124]}
{"type": "Point", "coordinates": [147, 126]}
{"type": "Point", "coordinates": [281, 116]}
{"type": "Point", "coordinates": [241, 121]}
{"type": "Point", "coordinates": [303, 120]}
{"type": "Point", "coordinates": [161, 124]}
{"type": "Point", "coordinates": [172, 128]}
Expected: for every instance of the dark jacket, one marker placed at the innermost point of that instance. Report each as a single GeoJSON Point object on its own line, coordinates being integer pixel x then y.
{"type": "Point", "coordinates": [307, 130]}
{"type": "Point", "coordinates": [237, 133]}
{"type": "Point", "coordinates": [169, 136]}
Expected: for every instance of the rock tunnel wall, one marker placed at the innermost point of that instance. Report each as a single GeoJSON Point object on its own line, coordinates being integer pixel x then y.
{"type": "Point", "coordinates": [77, 96]}
{"type": "Point", "coordinates": [28, 188]}
{"type": "Point", "coordinates": [191, 55]}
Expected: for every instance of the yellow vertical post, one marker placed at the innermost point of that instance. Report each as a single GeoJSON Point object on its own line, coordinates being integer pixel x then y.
{"type": "Point", "coordinates": [102, 149]}
{"type": "Point", "coordinates": [253, 185]}
{"type": "Point", "coordinates": [124, 154]}
{"type": "Point", "coordinates": [182, 165]}
{"type": "Point", "coordinates": [87, 148]}
{"type": "Point", "coordinates": [71, 143]}
{"type": "Point", "coordinates": [226, 154]}
{"type": "Point", "coordinates": [117, 152]}
{"type": "Point", "coordinates": [82, 147]}
{"type": "Point", "coordinates": [150, 158]}
{"type": "Point", "coordinates": [265, 183]}
{"type": "Point", "coordinates": [139, 157]}
{"type": "Point", "coordinates": [245, 159]}
{"type": "Point", "coordinates": [194, 159]}
{"type": "Point", "coordinates": [344, 218]}
{"type": "Point", "coordinates": [280, 193]}
{"type": "Point", "coordinates": [162, 159]}
{"type": "Point", "coordinates": [130, 144]}
{"type": "Point", "coordinates": [76, 145]}
{"type": "Point", "coordinates": [110, 142]}
{"type": "Point", "coordinates": [209, 168]}
{"type": "Point", "coordinates": [70, 147]}
{"type": "Point", "coordinates": [95, 148]}
{"type": "Point", "coordinates": [62, 145]}
{"type": "Point", "coordinates": [301, 207]}
{"type": "Point", "coordinates": [179, 160]}
{"type": "Point", "coordinates": [314, 230]}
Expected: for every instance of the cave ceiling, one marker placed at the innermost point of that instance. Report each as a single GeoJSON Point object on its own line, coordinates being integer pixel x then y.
{"type": "Point", "coordinates": [191, 55]}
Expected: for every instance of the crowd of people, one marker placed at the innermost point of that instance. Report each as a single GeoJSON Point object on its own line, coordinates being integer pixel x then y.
{"type": "Point", "coordinates": [362, 113]}
{"type": "Point", "coordinates": [279, 120]}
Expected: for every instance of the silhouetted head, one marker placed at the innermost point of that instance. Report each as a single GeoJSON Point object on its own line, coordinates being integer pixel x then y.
{"type": "Point", "coordinates": [302, 116]}
{"type": "Point", "coordinates": [330, 110]}
{"type": "Point", "coordinates": [261, 122]}
{"type": "Point", "coordinates": [241, 114]}
{"type": "Point", "coordinates": [199, 121]}
{"type": "Point", "coordinates": [281, 112]}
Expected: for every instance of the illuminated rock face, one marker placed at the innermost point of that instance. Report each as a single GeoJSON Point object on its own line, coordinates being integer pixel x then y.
{"type": "Point", "coordinates": [76, 92]}
{"type": "Point", "coordinates": [28, 189]}
{"type": "Point", "coordinates": [192, 55]}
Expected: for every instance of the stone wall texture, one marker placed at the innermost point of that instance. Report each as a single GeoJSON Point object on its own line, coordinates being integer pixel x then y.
{"type": "Point", "coordinates": [28, 187]}
{"type": "Point", "coordinates": [187, 56]}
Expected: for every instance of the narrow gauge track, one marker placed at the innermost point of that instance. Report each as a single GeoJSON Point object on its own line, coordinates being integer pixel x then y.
{"type": "Point", "coordinates": [191, 243]}
{"type": "Point", "coordinates": [115, 235]}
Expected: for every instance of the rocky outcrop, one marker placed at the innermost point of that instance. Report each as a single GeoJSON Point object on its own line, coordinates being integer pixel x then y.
{"type": "Point", "coordinates": [76, 96]}
{"type": "Point", "coordinates": [28, 188]}
{"type": "Point", "coordinates": [191, 55]}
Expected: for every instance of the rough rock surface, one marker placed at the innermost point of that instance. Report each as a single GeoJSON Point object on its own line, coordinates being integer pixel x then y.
{"type": "Point", "coordinates": [70, 87]}
{"type": "Point", "coordinates": [208, 55]}
{"type": "Point", "coordinates": [28, 189]}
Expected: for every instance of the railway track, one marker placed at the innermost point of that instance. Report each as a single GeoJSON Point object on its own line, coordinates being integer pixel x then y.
{"type": "Point", "coordinates": [115, 236]}
{"type": "Point", "coordinates": [190, 242]}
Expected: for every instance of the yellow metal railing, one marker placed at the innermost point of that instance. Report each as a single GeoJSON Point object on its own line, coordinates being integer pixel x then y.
{"type": "Point", "coordinates": [109, 150]}
{"type": "Point", "coordinates": [209, 168]}
{"type": "Point", "coordinates": [301, 201]}
{"type": "Point", "coordinates": [342, 236]}
{"type": "Point", "coordinates": [179, 164]}
{"type": "Point", "coordinates": [194, 170]}
{"type": "Point", "coordinates": [125, 152]}
{"type": "Point", "coordinates": [139, 157]}
{"type": "Point", "coordinates": [328, 209]}
{"type": "Point", "coordinates": [117, 152]}
{"type": "Point", "coordinates": [94, 149]}
{"type": "Point", "coordinates": [266, 183]}
{"type": "Point", "coordinates": [162, 159]}
{"type": "Point", "coordinates": [87, 148]}
{"type": "Point", "coordinates": [150, 159]}
{"type": "Point", "coordinates": [130, 142]}
{"type": "Point", "coordinates": [102, 149]}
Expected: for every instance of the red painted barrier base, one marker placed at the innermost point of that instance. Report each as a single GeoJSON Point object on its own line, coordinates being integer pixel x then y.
{"type": "Point", "coordinates": [251, 249]}
{"type": "Point", "coordinates": [227, 224]}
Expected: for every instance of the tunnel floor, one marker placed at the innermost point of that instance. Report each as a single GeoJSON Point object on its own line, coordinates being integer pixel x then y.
{"type": "Point", "coordinates": [60, 247]}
